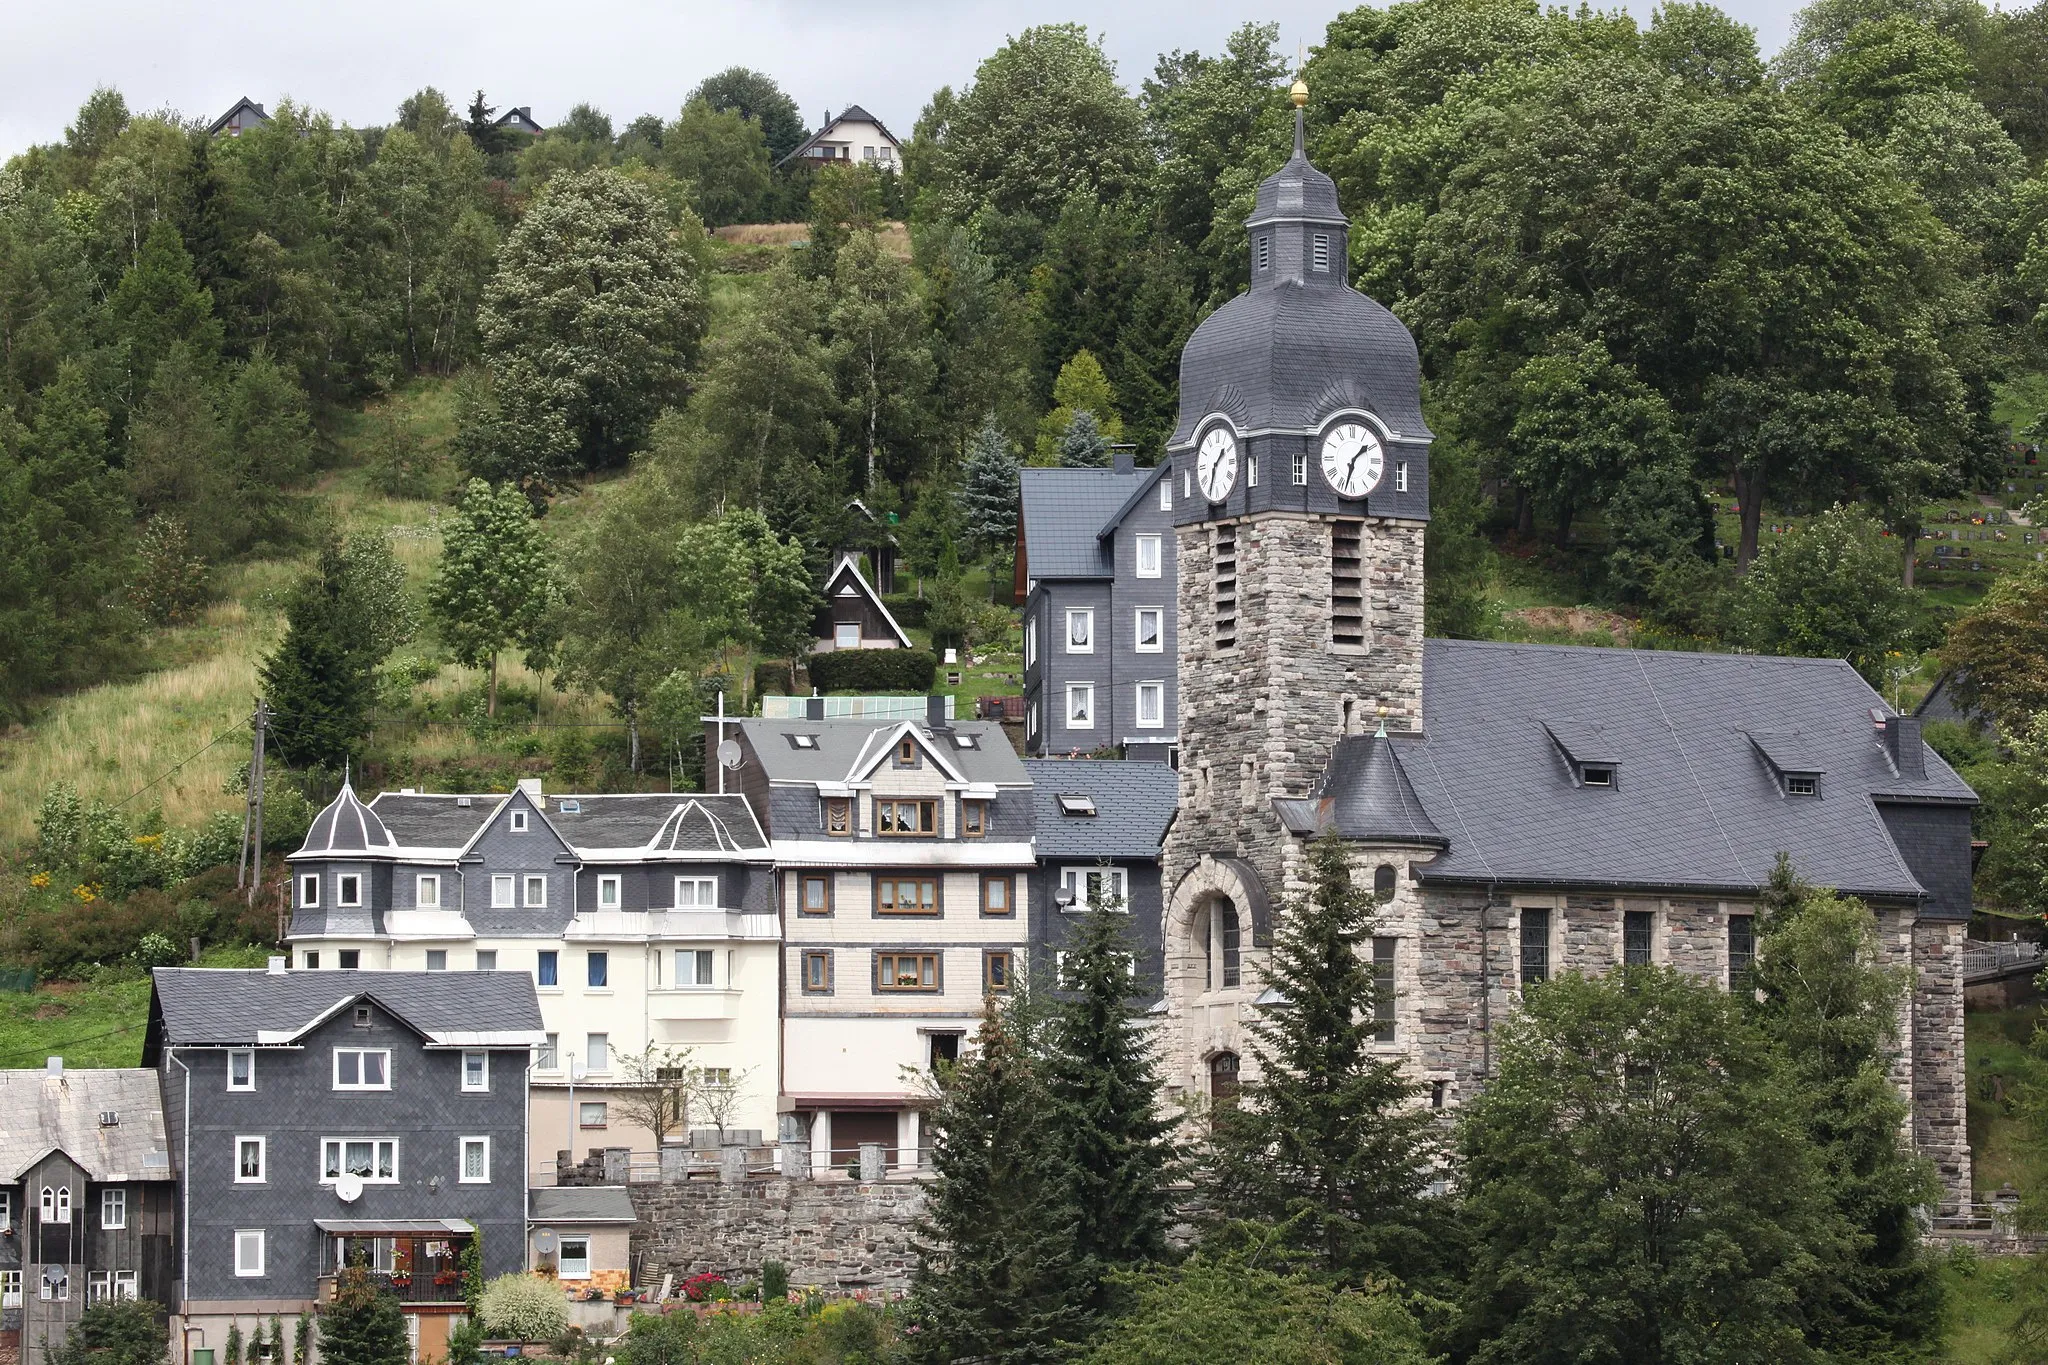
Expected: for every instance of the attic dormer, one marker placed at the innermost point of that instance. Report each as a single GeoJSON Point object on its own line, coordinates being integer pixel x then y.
{"type": "Point", "coordinates": [1590, 756]}
{"type": "Point", "coordinates": [1792, 763]}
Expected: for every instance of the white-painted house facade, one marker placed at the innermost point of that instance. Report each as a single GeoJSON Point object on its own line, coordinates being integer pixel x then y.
{"type": "Point", "coordinates": [644, 920]}
{"type": "Point", "coordinates": [855, 136]}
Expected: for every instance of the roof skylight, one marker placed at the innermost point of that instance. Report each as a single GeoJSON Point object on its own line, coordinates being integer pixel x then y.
{"type": "Point", "coordinates": [1073, 803]}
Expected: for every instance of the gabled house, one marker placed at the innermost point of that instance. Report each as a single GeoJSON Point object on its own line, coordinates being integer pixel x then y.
{"type": "Point", "coordinates": [1097, 570]}
{"type": "Point", "coordinates": [1098, 825]}
{"type": "Point", "coordinates": [642, 920]}
{"type": "Point", "coordinates": [318, 1116]}
{"type": "Point", "coordinates": [904, 856]}
{"type": "Point", "coordinates": [853, 615]}
{"type": "Point", "coordinates": [518, 120]}
{"type": "Point", "coordinates": [88, 1204]}
{"type": "Point", "coordinates": [856, 135]}
{"type": "Point", "coordinates": [245, 114]}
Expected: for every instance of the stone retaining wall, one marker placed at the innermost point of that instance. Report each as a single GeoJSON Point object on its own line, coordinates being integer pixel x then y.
{"type": "Point", "coordinates": [837, 1234]}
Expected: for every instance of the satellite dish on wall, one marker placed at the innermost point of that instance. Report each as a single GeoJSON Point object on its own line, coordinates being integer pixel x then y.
{"type": "Point", "coordinates": [729, 754]}
{"type": "Point", "coordinates": [545, 1241]}
{"type": "Point", "coordinates": [348, 1187]}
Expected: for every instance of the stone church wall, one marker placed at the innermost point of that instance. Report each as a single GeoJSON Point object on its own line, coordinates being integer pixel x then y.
{"type": "Point", "coordinates": [837, 1234]}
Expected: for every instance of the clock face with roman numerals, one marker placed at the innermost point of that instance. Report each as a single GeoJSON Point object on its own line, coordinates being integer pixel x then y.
{"type": "Point", "coordinates": [1216, 463]}
{"type": "Point", "coordinates": [1353, 459]}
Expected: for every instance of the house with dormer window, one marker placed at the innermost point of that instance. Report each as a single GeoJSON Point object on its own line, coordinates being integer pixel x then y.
{"type": "Point", "coordinates": [904, 856]}
{"type": "Point", "coordinates": [642, 921]}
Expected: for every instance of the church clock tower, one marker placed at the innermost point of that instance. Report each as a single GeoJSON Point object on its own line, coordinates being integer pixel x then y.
{"type": "Point", "coordinates": [1301, 492]}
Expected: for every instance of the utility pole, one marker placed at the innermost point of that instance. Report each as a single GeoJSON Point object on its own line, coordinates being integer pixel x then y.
{"type": "Point", "coordinates": [249, 866]}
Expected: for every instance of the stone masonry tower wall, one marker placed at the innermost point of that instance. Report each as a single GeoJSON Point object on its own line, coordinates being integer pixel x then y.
{"type": "Point", "coordinates": [1259, 714]}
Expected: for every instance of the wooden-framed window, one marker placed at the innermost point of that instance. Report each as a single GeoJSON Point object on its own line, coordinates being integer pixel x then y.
{"type": "Point", "coordinates": [839, 816]}
{"type": "Point", "coordinates": [817, 973]}
{"type": "Point", "coordinates": [914, 819]}
{"type": "Point", "coordinates": [814, 893]}
{"type": "Point", "coordinates": [973, 819]}
{"type": "Point", "coordinates": [998, 893]}
{"type": "Point", "coordinates": [907, 972]}
{"type": "Point", "coordinates": [907, 893]}
{"type": "Point", "coordinates": [906, 753]}
{"type": "Point", "coordinates": [997, 969]}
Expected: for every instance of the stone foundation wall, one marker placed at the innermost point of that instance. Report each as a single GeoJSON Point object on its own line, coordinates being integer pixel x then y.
{"type": "Point", "coordinates": [837, 1234]}
{"type": "Point", "coordinates": [1939, 1095]}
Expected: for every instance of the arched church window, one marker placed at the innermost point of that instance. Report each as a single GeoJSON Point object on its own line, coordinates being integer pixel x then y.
{"type": "Point", "coordinates": [1199, 938]}
{"type": "Point", "coordinates": [1223, 1079]}
{"type": "Point", "coordinates": [1383, 881]}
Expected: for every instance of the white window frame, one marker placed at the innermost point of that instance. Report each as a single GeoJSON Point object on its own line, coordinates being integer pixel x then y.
{"type": "Point", "coordinates": [341, 1144]}
{"type": "Point", "coordinates": [526, 897]}
{"type": "Point", "coordinates": [578, 1269]}
{"type": "Point", "coordinates": [846, 635]}
{"type": "Point", "coordinates": [1080, 878]}
{"type": "Point", "coordinates": [6, 1208]}
{"type": "Point", "coordinates": [63, 1290]}
{"type": "Point", "coordinates": [1166, 494]}
{"type": "Point", "coordinates": [1158, 721]}
{"type": "Point", "coordinates": [262, 1176]}
{"type": "Point", "coordinates": [426, 891]}
{"type": "Point", "coordinates": [10, 1289]}
{"type": "Point", "coordinates": [248, 1055]}
{"type": "Point", "coordinates": [1075, 690]}
{"type": "Point", "coordinates": [1251, 470]}
{"type": "Point", "coordinates": [127, 1284]}
{"type": "Point", "coordinates": [359, 1053]}
{"type": "Point", "coordinates": [593, 1045]}
{"type": "Point", "coordinates": [698, 957]}
{"type": "Point", "coordinates": [1152, 543]}
{"type": "Point", "coordinates": [516, 822]}
{"type": "Point", "coordinates": [114, 1207]}
{"type": "Point", "coordinates": [487, 959]}
{"type": "Point", "coordinates": [1031, 640]}
{"type": "Point", "coordinates": [344, 883]}
{"type": "Point", "coordinates": [99, 1286]}
{"type": "Point", "coordinates": [1086, 615]}
{"type": "Point", "coordinates": [698, 891]}
{"type": "Point", "coordinates": [55, 1206]}
{"type": "Point", "coordinates": [549, 1055]}
{"type": "Point", "coordinates": [463, 1147]}
{"type": "Point", "coordinates": [437, 959]}
{"type": "Point", "coordinates": [482, 1084]}
{"type": "Point", "coordinates": [1031, 720]}
{"type": "Point", "coordinates": [1158, 645]}
{"type": "Point", "coordinates": [610, 891]}
{"type": "Point", "coordinates": [503, 887]}
{"type": "Point", "coordinates": [248, 1266]}
{"type": "Point", "coordinates": [1401, 477]}
{"type": "Point", "coordinates": [604, 1114]}
{"type": "Point", "coordinates": [1187, 482]}
{"type": "Point", "coordinates": [309, 890]}
{"type": "Point", "coordinates": [1300, 468]}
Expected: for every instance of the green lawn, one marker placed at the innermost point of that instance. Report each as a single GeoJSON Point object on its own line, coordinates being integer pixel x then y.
{"type": "Point", "coordinates": [90, 1023]}
{"type": "Point", "coordinates": [1983, 1294]}
{"type": "Point", "coordinates": [1996, 1045]}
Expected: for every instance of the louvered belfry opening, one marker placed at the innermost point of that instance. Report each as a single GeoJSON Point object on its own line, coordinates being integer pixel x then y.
{"type": "Point", "coordinates": [1225, 579]}
{"type": "Point", "coordinates": [1347, 582]}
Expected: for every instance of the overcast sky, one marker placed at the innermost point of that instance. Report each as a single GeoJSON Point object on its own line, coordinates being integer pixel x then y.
{"type": "Point", "coordinates": [357, 60]}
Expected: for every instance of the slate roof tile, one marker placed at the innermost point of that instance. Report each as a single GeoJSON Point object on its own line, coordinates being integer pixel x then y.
{"type": "Point", "coordinates": [1134, 803]}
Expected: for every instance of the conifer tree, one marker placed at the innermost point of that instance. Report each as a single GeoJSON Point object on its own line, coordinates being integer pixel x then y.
{"type": "Point", "coordinates": [997, 1282]}
{"type": "Point", "coordinates": [363, 1324]}
{"type": "Point", "coordinates": [1324, 1146]}
{"type": "Point", "coordinates": [159, 302]}
{"type": "Point", "coordinates": [988, 490]}
{"type": "Point", "coordinates": [1083, 446]}
{"type": "Point", "coordinates": [497, 581]}
{"type": "Point", "coordinates": [1080, 387]}
{"type": "Point", "coordinates": [1822, 992]}
{"type": "Point", "coordinates": [1104, 1088]}
{"type": "Point", "coordinates": [320, 681]}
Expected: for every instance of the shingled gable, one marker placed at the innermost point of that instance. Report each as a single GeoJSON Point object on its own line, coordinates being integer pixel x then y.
{"type": "Point", "coordinates": [848, 581]}
{"type": "Point", "coordinates": [1069, 516]}
{"type": "Point", "coordinates": [223, 1007]}
{"type": "Point", "coordinates": [516, 799]}
{"type": "Point", "coordinates": [62, 1113]}
{"type": "Point", "coordinates": [874, 754]}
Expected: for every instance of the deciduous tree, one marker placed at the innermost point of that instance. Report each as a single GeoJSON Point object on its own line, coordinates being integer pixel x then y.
{"type": "Point", "coordinates": [498, 581]}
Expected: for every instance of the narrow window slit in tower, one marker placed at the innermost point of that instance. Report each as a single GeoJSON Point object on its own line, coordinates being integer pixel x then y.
{"type": "Point", "coordinates": [1347, 583]}
{"type": "Point", "coordinates": [1225, 578]}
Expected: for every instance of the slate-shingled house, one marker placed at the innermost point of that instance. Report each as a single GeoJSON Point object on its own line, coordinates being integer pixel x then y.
{"type": "Point", "coordinates": [1524, 809]}
{"type": "Point", "coordinates": [1095, 567]}
{"type": "Point", "coordinates": [1098, 825]}
{"type": "Point", "coordinates": [88, 1207]}
{"type": "Point", "coordinates": [316, 1116]}
{"type": "Point", "coordinates": [642, 919]}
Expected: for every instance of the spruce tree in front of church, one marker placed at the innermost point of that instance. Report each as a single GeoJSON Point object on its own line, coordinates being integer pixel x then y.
{"type": "Point", "coordinates": [996, 1279]}
{"type": "Point", "coordinates": [1324, 1155]}
{"type": "Point", "coordinates": [1104, 1086]}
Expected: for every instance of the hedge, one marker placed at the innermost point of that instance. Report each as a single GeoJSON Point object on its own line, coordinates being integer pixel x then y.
{"type": "Point", "coordinates": [874, 670]}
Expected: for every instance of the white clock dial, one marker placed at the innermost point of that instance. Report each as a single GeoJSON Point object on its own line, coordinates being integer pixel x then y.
{"type": "Point", "coordinates": [1353, 459]}
{"type": "Point", "coordinates": [1216, 463]}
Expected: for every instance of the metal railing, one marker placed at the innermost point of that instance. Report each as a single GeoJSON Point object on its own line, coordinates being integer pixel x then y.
{"type": "Point", "coordinates": [1995, 959]}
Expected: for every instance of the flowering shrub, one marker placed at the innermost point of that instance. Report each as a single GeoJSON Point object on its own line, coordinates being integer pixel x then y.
{"type": "Point", "coordinates": [523, 1308]}
{"type": "Point", "coordinates": [707, 1287]}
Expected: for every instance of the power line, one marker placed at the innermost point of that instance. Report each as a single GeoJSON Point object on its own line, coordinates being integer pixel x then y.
{"type": "Point", "coordinates": [238, 725]}
{"type": "Point", "coordinates": [56, 1049]}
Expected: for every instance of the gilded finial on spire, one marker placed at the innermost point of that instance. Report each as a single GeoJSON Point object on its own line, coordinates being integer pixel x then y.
{"type": "Point", "coordinates": [1298, 92]}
